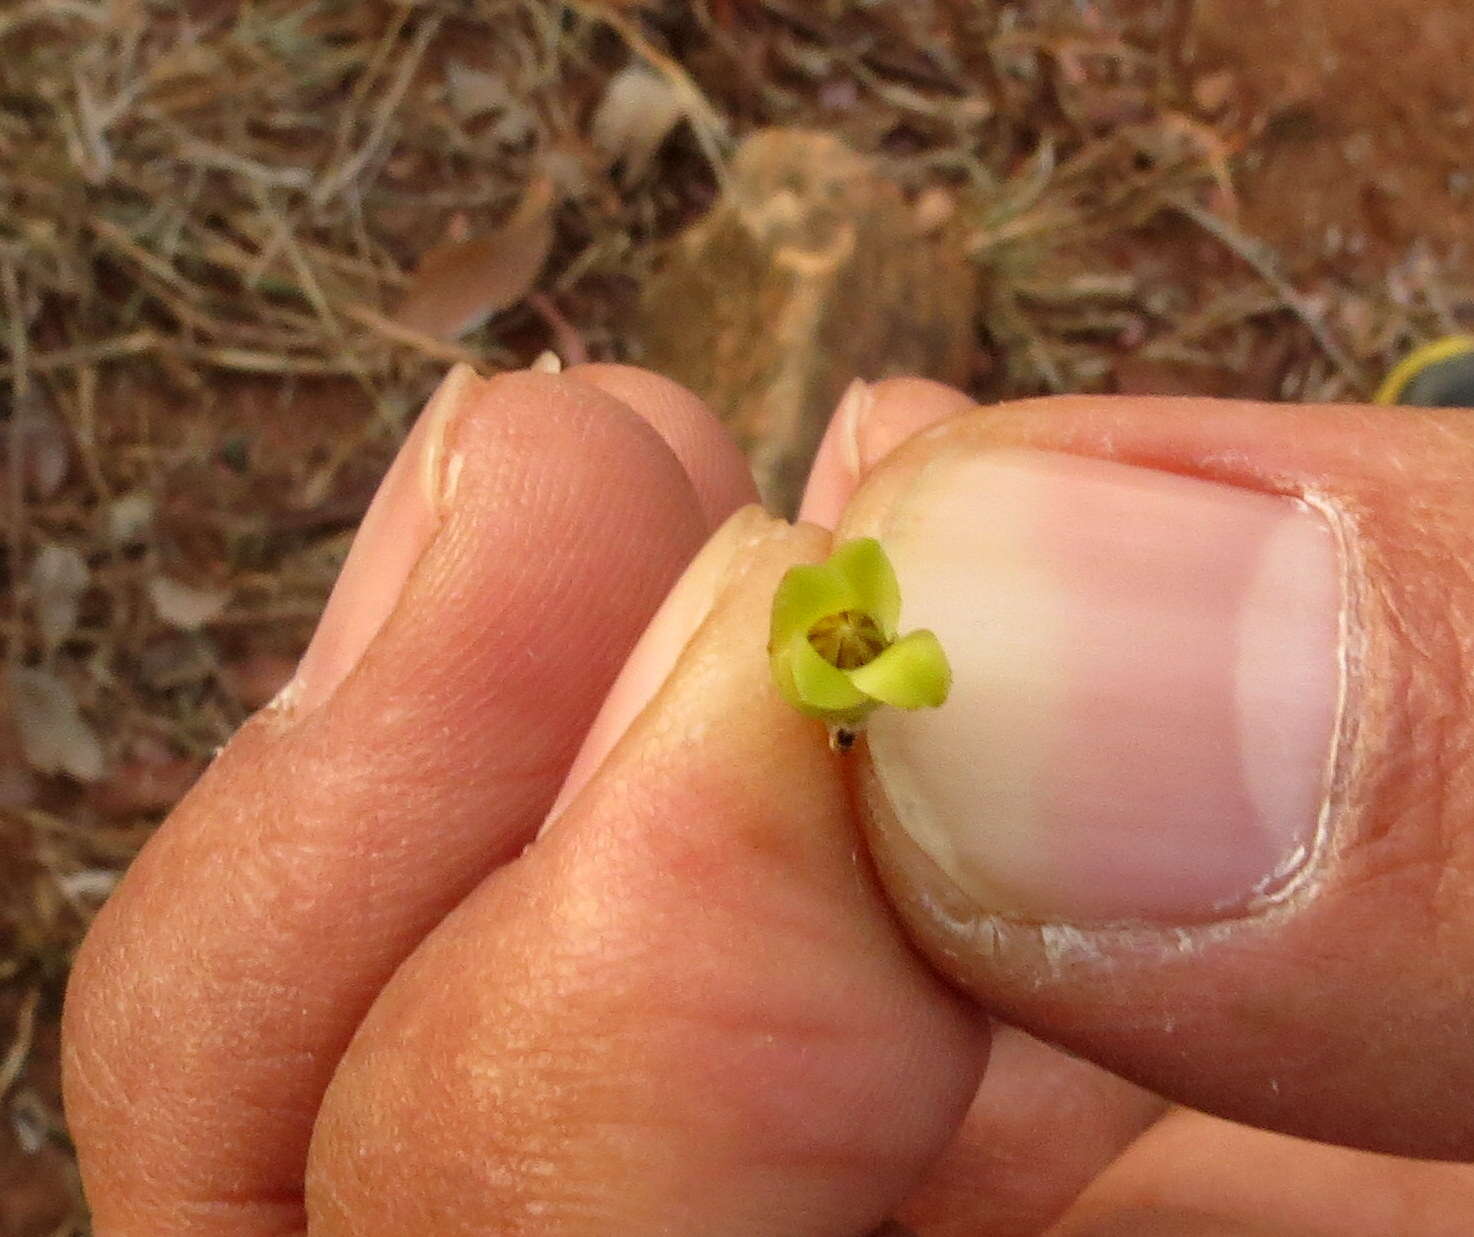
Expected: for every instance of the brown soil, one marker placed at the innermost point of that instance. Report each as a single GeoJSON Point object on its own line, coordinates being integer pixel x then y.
{"type": "Point", "coordinates": [1368, 107]}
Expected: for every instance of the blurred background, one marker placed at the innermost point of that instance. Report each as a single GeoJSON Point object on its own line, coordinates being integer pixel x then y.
{"type": "Point", "coordinates": [240, 242]}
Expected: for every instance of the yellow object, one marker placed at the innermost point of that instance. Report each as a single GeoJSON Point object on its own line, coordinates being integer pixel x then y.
{"type": "Point", "coordinates": [1398, 381]}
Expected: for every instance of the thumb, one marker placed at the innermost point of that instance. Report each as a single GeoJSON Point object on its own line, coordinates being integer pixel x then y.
{"type": "Point", "coordinates": [1199, 806]}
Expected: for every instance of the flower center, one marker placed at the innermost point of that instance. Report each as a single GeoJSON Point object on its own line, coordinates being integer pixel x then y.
{"type": "Point", "coordinates": [847, 640]}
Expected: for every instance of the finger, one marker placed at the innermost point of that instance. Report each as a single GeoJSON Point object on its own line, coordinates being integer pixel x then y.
{"type": "Point", "coordinates": [1042, 1127]}
{"type": "Point", "coordinates": [1194, 1174]}
{"type": "Point", "coordinates": [872, 420]}
{"type": "Point", "coordinates": [1196, 808]}
{"type": "Point", "coordinates": [711, 459]}
{"type": "Point", "coordinates": [684, 1010]}
{"type": "Point", "coordinates": [517, 548]}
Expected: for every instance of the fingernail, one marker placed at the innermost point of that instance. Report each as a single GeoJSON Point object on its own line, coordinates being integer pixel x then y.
{"type": "Point", "coordinates": [858, 399]}
{"type": "Point", "coordinates": [1147, 676]}
{"type": "Point", "coordinates": [870, 421]}
{"type": "Point", "coordinates": [400, 523]}
{"type": "Point", "coordinates": [655, 654]}
{"type": "Point", "coordinates": [837, 462]}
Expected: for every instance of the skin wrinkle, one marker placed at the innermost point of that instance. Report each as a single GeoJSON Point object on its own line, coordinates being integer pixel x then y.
{"type": "Point", "coordinates": [1429, 758]}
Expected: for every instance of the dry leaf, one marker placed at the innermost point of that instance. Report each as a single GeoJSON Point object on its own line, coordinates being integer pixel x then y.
{"type": "Point", "coordinates": [54, 735]}
{"type": "Point", "coordinates": [636, 115]}
{"type": "Point", "coordinates": [1214, 91]}
{"type": "Point", "coordinates": [90, 886]}
{"type": "Point", "coordinates": [474, 92]}
{"type": "Point", "coordinates": [460, 284]}
{"type": "Point", "coordinates": [129, 517]}
{"type": "Point", "coordinates": [59, 577]}
{"type": "Point", "coordinates": [183, 606]}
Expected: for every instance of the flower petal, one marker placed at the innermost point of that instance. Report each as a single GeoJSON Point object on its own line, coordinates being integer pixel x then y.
{"type": "Point", "coordinates": [811, 685]}
{"type": "Point", "coordinates": [867, 568]}
{"type": "Point", "coordinates": [912, 674]}
{"type": "Point", "coordinates": [805, 595]}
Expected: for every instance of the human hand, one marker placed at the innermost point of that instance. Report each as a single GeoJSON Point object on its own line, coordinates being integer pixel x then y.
{"type": "Point", "coordinates": [335, 984]}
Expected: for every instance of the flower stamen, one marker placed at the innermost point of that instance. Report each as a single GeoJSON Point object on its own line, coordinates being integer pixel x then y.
{"type": "Point", "coordinates": [847, 640]}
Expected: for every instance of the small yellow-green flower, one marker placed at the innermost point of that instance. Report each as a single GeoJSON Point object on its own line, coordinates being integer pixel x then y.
{"type": "Point", "coordinates": [835, 649]}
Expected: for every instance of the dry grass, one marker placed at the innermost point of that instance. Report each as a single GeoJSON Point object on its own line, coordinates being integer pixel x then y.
{"type": "Point", "coordinates": [211, 216]}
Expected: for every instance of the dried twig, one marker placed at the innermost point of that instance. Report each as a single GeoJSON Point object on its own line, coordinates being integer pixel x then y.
{"type": "Point", "coordinates": [1264, 265]}
{"type": "Point", "coordinates": [20, 1042]}
{"type": "Point", "coordinates": [350, 168]}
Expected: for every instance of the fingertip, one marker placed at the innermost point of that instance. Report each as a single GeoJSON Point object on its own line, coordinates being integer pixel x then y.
{"type": "Point", "coordinates": [871, 421]}
{"type": "Point", "coordinates": [903, 408]}
{"type": "Point", "coordinates": [710, 457]}
{"type": "Point", "coordinates": [652, 659]}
